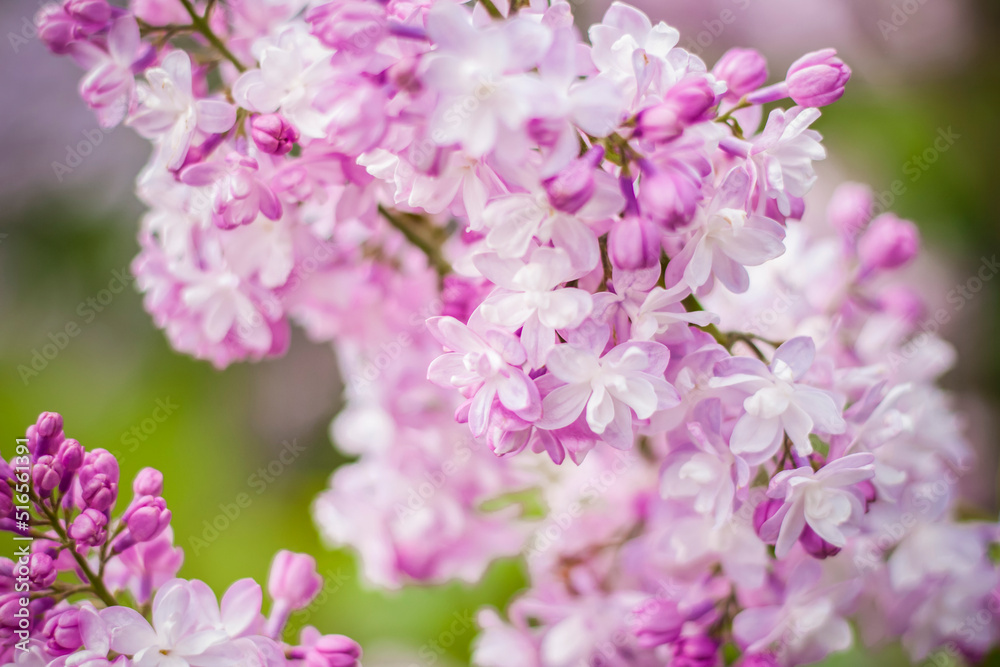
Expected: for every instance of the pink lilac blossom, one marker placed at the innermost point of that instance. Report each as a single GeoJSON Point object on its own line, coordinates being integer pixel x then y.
{"type": "Point", "coordinates": [527, 247]}
{"type": "Point", "coordinates": [178, 622]}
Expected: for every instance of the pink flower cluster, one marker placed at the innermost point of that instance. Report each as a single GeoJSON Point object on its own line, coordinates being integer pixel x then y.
{"type": "Point", "coordinates": [595, 250]}
{"type": "Point", "coordinates": [89, 589]}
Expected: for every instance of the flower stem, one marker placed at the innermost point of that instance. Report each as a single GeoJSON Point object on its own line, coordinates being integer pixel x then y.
{"type": "Point", "coordinates": [416, 233]}
{"type": "Point", "coordinates": [93, 580]}
{"type": "Point", "coordinates": [200, 23]}
{"type": "Point", "coordinates": [492, 9]}
{"type": "Point", "coordinates": [606, 265]}
{"type": "Point", "coordinates": [691, 304]}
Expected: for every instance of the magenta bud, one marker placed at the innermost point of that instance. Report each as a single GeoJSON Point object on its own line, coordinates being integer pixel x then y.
{"type": "Point", "coordinates": [99, 493]}
{"type": "Point", "coordinates": [273, 134]}
{"type": "Point", "coordinates": [850, 209]}
{"type": "Point", "coordinates": [687, 102]}
{"type": "Point", "coordinates": [545, 131]}
{"type": "Point", "coordinates": [293, 579]}
{"type": "Point", "coordinates": [145, 519]}
{"type": "Point", "coordinates": [905, 303]}
{"type": "Point", "coordinates": [49, 424]}
{"type": "Point", "coordinates": [62, 629]}
{"type": "Point", "coordinates": [889, 243]}
{"type": "Point", "coordinates": [45, 435]}
{"type": "Point", "coordinates": [46, 475]}
{"type": "Point", "coordinates": [634, 243]}
{"type": "Point", "coordinates": [764, 511]}
{"type": "Point", "coordinates": [6, 499]}
{"type": "Point", "coordinates": [815, 545]}
{"type": "Point", "coordinates": [99, 480]}
{"type": "Point", "coordinates": [656, 622]}
{"type": "Point", "coordinates": [669, 196]}
{"type": "Point", "coordinates": [71, 455]}
{"type": "Point", "coordinates": [696, 651]}
{"type": "Point", "coordinates": [7, 576]}
{"type": "Point", "coordinates": [868, 491]}
{"type": "Point", "coordinates": [56, 28]}
{"type": "Point", "coordinates": [149, 482]}
{"type": "Point", "coordinates": [10, 606]}
{"type": "Point", "coordinates": [42, 569]}
{"type": "Point", "coordinates": [333, 651]}
{"type": "Point", "coordinates": [353, 26]}
{"type": "Point", "coordinates": [817, 79]}
{"type": "Point", "coordinates": [103, 462]}
{"type": "Point", "coordinates": [572, 188]}
{"type": "Point", "coordinates": [743, 71]}
{"type": "Point", "coordinates": [92, 15]}
{"type": "Point", "coordinates": [88, 528]}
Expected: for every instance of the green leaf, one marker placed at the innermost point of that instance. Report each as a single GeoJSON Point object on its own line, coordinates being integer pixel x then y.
{"type": "Point", "coordinates": [819, 445]}
{"type": "Point", "coordinates": [531, 501]}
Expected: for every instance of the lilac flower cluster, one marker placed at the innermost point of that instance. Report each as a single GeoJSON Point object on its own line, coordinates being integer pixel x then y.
{"type": "Point", "coordinates": [95, 590]}
{"type": "Point", "coordinates": [594, 250]}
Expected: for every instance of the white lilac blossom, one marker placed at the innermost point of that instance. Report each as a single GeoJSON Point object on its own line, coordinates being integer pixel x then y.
{"type": "Point", "coordinates": [583, 314]}
{"type": "Point", "coordinates": [777, 405]}
{"type": "Point", "coordinates": [128, 607]}
{"type": "Point", "coordinates": [169, 114]}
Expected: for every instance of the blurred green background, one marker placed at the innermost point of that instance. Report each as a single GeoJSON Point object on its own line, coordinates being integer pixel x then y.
{"type": "Point", "coordinates": [61, 240]}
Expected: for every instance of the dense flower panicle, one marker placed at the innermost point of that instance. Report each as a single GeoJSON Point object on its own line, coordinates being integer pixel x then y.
{"type": "Point", "coordinates": [178, 623]}
{"type": "Point", "coordinates": [530, 248]}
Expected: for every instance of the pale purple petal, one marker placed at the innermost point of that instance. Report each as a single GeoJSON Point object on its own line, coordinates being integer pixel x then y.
{"type": "Point", "coordinates": [215, 116]}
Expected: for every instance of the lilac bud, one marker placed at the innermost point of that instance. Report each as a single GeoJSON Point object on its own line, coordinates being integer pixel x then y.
{"type": "Point", "coordinates": [905, 303]}
{"type": "Point", "coordinates": [669, 196]}
{"type": "Point", "coordinates": [99, 493]}
{"type": "Point", "coordinates": [45, 435]}
{"type": "Point", "coordinates": [293, 579]}
{"type": "Point", "coordinates": [817, 79]}
{"type": "Point", "coordinates": [273, 134]}
{"type": "Point", "coordinates": [49, 424]}
{"type": "Point", "coordinates": [545, 131]}
{"type": "Point", "coordinates": [149, 482]}
{"type": "Point", "coordinates": [99, 480]}
{"type": "Point", "coordinates": [743, 70]}
{"type": "Point", "coordinates": [333, 651]}
{"type": "Point", "coordinates": [460, 296]}
{"type": "Point", "coordinates": [71, 455]}
{"type": "Point", "coordinates": [850, 209]}
{"type": "Point", "coordinates": [103, 462]}
{"type": "Point", "coordinates": [764, 511]}
{"type": "Point", "coordinates": [868, 492]}
{"type": "Point", "coordinates": [91, 15]}
{"type": "Point", "coordinates": [145, 519]}
{"type": "Point", "coordinates": [815, 545]}
{"type": "Point", "coordinates": [6, 499]}
{"type": "Point", "coordinates": [56, 28]}
{"type": "Point", "coordinates": [7, 576]}
{"type": "Point", "coordinates": [889, 243]}
{"type": "Point", "coordinates": [656, 622]}
{"type": "Point", "coordinates": [89, 528]}
{"type": "Point", "coordinates": [42, 570]}
{"type": "Point", "coordinates": [796, 205]}
{"type": "Point", "coordinates": [572, 188]}
{"type": "Point", "coordinates": [686, 103]}
{"type": "Point", "coordinates": [354, 26]}
{"type": "Point", "coordinates": [62, 627]}
{"type": "Point", "coordinates": [10, 605]}
{"type": "Point", "coordinates": [46, 475]}
{"type": "Point", "coordinates": [696, 651]}
{"type": "Point", "coordinates": [634, 243]}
